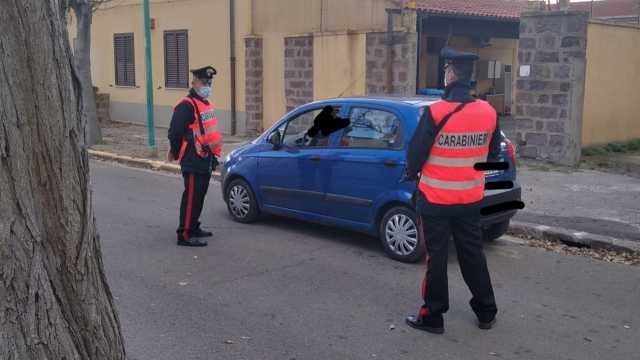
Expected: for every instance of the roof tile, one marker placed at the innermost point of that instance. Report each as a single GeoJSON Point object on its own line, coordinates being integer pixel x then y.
{"type": "Point", "coordinates": [499, 9]}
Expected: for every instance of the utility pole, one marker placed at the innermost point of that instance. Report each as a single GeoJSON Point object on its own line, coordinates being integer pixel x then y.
{"type": "Point", "coordinates": [149, 71]}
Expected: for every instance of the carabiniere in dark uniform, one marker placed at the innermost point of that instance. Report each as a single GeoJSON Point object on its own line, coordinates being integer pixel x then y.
{"type": "Point", "coordinates": [196, 144]}
{"type": "Point", "coordinates": [453, 135]}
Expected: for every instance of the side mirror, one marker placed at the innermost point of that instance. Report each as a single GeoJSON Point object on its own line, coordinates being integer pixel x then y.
{"type": "Point", "coordinates": [275, 140]}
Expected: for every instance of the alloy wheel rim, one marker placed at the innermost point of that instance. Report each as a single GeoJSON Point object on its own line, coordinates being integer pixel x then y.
{"type": "Point", "coordinates": [239, 201]}
{"type": "Point", "coordinates": [401, 234]}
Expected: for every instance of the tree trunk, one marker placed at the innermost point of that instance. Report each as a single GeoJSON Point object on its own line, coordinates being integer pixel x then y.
{"type": "Point", "coordinates": [82, 56]}
{"type": "Point", "coordinates": [54, 299]}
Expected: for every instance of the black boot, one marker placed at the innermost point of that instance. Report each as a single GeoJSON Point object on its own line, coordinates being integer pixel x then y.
{"type": "Point", "coordinates": [199, 233]}
{"type": "Point", "coordinates": [194, 242]}
{"type": "Point", "coordinates": [433, 323]}
{"type": "Point", "coordinates": [486, 322]}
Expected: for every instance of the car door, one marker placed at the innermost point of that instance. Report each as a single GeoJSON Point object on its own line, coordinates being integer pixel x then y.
{"type": "Point", "coordinates": [367, 162]}
{"type": "Point", "coordinates": [293, 177]}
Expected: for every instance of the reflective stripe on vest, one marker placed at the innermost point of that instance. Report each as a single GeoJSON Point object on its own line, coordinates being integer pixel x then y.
{"type": "Point", "coordinates": [455, 162]}
{"type": "Point", "coordinates": [452, 185]}
{"type": "Point", "coordinates": [210, 136]}
{"type": "Point", "coordinates": [448, 176]}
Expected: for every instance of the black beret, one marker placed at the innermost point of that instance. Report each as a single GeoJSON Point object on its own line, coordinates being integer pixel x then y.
{"type": "Point", "coordinates": [206, 72]}
{"type": "Point", "coordinates": [457, 57]}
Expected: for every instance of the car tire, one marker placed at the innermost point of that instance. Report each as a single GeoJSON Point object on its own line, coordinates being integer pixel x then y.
{"type": "Point", "coordinates": [399, 235]}
{"type": "Point", "coordinates": [495, 231]}
{"type": "Point", "coordinates": [241, 202]}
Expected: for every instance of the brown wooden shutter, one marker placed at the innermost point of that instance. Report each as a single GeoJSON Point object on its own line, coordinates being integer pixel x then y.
{"type": "Point", "coordinates": [124, 59]}
{"type": "Point", "coordinates": [176, 59]}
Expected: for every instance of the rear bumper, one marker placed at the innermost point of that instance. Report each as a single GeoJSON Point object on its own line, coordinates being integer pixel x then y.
{"type": "Point", "coordinates": [495, 197]}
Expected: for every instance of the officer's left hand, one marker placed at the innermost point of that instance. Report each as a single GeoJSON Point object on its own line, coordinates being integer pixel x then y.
{"type": "Point", "coordinates": [407, 177]}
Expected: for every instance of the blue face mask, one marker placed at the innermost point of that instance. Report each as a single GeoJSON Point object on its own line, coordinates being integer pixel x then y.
{"type": "Point", "coordinates": [204, 91]}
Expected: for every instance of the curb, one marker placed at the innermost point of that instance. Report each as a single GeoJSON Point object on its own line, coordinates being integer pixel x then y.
{"type": "Point", "coordinates": [571, 237]}
{"type": "Point", "coordinates": [142, 163]}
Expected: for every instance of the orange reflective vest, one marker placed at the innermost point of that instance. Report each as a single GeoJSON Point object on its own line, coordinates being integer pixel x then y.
{"type": "Point", "coordinates": [448, 176]}
{"type": "Point", "coordinates": [206, 137]}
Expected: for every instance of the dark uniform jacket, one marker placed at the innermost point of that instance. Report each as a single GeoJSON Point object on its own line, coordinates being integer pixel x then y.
{"type": "Point", "coordinates": [183, 117]}
{"type": "Point", "coordinates": [422, 141]}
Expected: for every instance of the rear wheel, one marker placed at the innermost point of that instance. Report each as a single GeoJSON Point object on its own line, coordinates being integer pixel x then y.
{"type": "Point", "coordinates": [495, 231]}
{"type": "Point", "coordinates": [241, 202]}
{"type": "Point", "coordinates": [398, 232]}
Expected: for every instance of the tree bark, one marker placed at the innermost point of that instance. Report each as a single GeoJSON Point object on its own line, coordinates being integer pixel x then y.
{"type": "Point", "coordinates": [83, 9]}
{"type": "Point", "coordinates": [54, 299]}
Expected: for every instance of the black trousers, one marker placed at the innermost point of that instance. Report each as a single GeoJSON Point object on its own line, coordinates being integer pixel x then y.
{"type": "Point", "coordinates": [467, 234]}
{"type": "Point", "coordinates": [195, 189]}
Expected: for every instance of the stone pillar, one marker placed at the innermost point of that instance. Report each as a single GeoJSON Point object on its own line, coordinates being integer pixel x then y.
{"type": "Point", "coordinates": [298, 71]}
{"type": "Point", "coordinates": [253, 84]}
{"type": "Point", "coordinates": [403, 63]}
{"type": "Point", "coordinates": [549, 96]}
{"type": "Point", "coordinates": [102, 107]}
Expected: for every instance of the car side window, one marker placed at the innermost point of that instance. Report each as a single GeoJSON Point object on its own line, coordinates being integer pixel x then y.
{"type": "Point", "coordinates": [372, 128]}
{"type": "Point", "coordinates": [296, 130]}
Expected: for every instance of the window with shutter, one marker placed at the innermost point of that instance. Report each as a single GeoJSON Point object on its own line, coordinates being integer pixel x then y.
{"type": "Point", "coordinates": [123, 54]}
{"type": "Point", "coordinates": [176, 59]}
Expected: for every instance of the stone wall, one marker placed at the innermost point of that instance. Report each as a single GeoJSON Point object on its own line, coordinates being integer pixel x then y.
{"type": "Point", "coordinates": [253, 84]}
{"type": "Point", "coordinates": [403, 64]}
{"type": "Point", "coordinates": [298, 71]}
{"type": "Point", "coordinates": [549, 100]}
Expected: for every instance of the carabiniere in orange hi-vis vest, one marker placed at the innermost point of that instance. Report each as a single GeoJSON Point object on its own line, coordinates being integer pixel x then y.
{"type": "Point", "coordinates": [208, 135]}
{"type": "Point", "coordinates": [448, 176]}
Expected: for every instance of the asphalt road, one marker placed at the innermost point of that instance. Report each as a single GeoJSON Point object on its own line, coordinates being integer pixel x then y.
{"type": "Point", "coordinates": [281, 289]}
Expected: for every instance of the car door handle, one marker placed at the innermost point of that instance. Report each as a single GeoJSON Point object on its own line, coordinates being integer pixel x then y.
{"type": "Point", "coordinates": [390, 163]}
{"type": "Point", "coordinates": [314, 158]}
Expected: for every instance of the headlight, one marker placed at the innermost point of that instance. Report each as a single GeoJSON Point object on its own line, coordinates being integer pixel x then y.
{"type": "Point", "coordinates": [230, 155]}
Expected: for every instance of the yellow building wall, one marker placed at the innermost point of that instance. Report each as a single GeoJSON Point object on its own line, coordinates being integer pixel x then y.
{"type": "Point", "coordinates": [207, 23]}
{"type": "Point", "coordinates": [306, 16]}
{"type": "Point", "coordinates": [612, 101]}
{"type": "Point", "coordinates": [339, 65]}
{"type": "Point", "coordinates": [273, 99]}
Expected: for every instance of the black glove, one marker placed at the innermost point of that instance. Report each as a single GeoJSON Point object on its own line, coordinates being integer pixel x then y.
{"type": "Point", "coordinates": [408, 177]}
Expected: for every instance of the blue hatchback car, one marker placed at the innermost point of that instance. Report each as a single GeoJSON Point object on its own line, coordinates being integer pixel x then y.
{"type": "Point", "coordinates": [349, 179]}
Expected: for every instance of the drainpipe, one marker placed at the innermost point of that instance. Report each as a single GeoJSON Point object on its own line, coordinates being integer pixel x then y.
{"type": "Point", "coordinates": [232, 61]}
{"type": "Point", "coordinates": [418, 48]}
{"type": "Point", "coordinates": [389, 48]}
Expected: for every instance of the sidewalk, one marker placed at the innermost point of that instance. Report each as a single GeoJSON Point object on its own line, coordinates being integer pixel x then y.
{"type": "Point", "coordinates": [593, 208]}
{"type": "Point", "coordinates": [131, 140]}
{"type": "Point", "coordinates": [582, 201]}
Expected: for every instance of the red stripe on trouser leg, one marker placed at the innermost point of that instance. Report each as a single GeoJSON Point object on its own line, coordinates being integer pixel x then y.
{"type": "Point", "coordinates": [421, 235]}
{"type": "Point", "coordinates": [187, 220]}
{"type": "Point", "coordinates": [423, 312]}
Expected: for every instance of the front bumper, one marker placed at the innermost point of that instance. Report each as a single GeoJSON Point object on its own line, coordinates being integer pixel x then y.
{"type": "Point", "coordinates": [496, 197]}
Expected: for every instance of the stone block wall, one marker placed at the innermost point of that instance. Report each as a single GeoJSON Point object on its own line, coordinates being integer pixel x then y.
{"type": "Point", "coordinates": [549, 100]}
{"type": "Point", "coordinates": [298, 71]}
{"type": "Point", "coordinates": [253, 84]}
{"type": "Point", "coordinates": [403, 64]}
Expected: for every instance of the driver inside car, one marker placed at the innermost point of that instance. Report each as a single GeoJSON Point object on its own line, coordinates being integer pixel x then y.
{"type": "Point", "coordinates": [325, 123]}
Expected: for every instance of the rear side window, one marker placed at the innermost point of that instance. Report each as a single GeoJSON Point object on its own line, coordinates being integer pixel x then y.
{"type": "Point", "coordinates": [372, 128]}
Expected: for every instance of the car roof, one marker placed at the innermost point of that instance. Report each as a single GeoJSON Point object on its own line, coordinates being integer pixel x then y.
{"type": "Point", "coordinates": [403, 101]}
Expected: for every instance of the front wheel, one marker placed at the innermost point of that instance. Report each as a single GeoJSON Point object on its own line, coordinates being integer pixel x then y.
{"type": "Point", "coordinates": [241, 202]}
{"type": "Point", "coordinates": [399, 235]}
